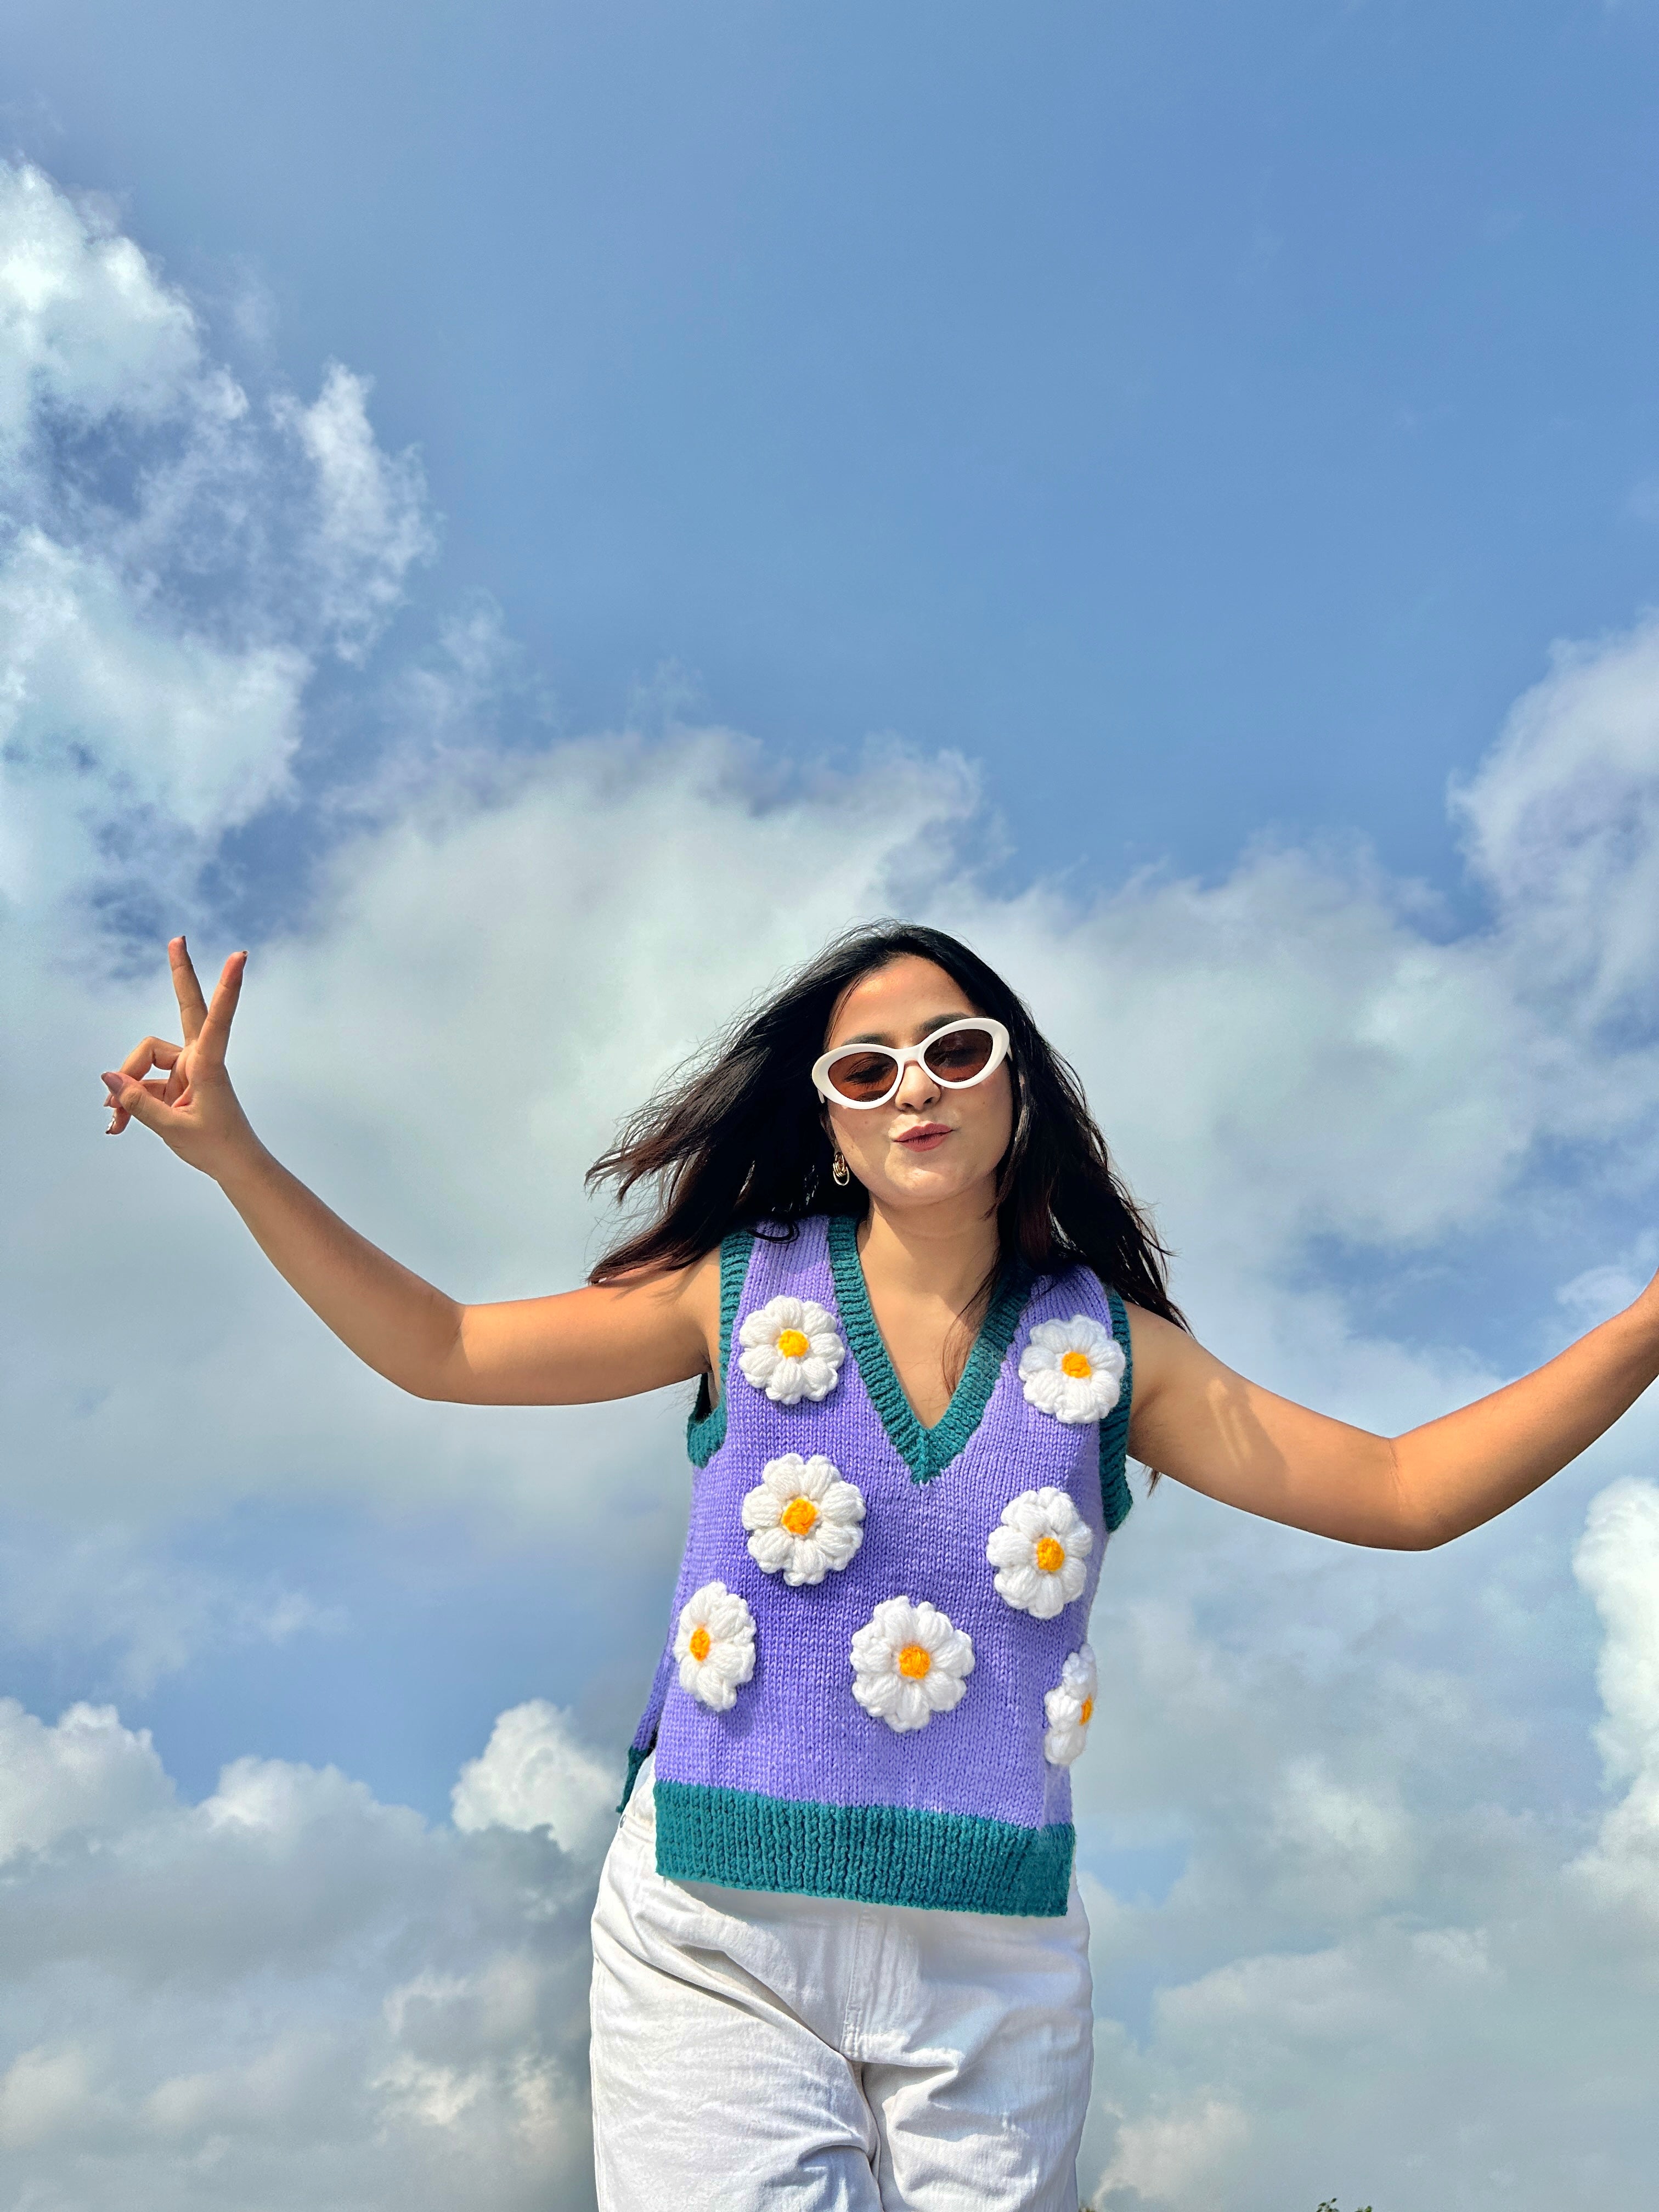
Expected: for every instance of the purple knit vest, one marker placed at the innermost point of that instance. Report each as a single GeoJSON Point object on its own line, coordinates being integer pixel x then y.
{"type": "Point", "coordinates": [770, 1773]}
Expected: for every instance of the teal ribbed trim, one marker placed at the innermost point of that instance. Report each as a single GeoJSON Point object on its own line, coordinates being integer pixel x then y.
{"type": "Point", "coordinates": [704, 1436]}
{"type": "Point", "coordinates": [877, 1854]}
{"type": "Point", "coordinates": [924, 1451]}
{"type": "Point", "coordinates": [636, 1759]}
{"type": "Point", "coordinates": [1115, 1496]}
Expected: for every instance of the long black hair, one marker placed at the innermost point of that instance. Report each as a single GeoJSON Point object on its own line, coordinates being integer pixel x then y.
{"type": "Point", "coordinates": [736, 1137]}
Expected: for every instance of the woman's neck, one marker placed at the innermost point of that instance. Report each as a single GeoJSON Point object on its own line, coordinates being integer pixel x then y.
{"type": "Point", "coordinates": [947, 1253]}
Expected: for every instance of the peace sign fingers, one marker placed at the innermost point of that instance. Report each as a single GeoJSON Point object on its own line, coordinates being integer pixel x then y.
{"type": "Point", "coordinates": [214, 1032]}
{"type": "Point", "coordinates": [189, 1103]}
{"type": "Point", "coordinates": [192, 1006]}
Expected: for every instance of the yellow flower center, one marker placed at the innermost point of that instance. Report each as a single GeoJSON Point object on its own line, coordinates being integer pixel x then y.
{"type": "Point", "coordinates": [702, 1643]}
{"type": "Point", "coordinates": [1051, 1554]}
{"type": "Point", "coordinates": [793, 1344]}
{"type": "Point", "coordinates": [1076, 1363]}
{"type": "Point", "coordinates": [915, 1660]}
{"type": "Point", "coordinates": [1088, 1713]}
{"type": "Point", "coordinates": [799, 1517]}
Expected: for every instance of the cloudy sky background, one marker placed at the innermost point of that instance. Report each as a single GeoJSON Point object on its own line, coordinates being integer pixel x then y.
{"type": "Point", "coordinates": [529, 519]}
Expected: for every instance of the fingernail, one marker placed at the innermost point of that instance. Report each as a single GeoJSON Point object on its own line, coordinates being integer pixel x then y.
{"type": "Point", "coordinates": [113, 1085]}
{"type": "Point", "coordinates": [112, 1131]}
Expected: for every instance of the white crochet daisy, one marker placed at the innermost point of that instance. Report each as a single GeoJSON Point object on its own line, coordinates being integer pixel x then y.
{"type": "Point", "coordinates": [1071, 1707]}
{"type": "Point", "coordinates": [792, 1350]}
{"type": "Point", "coordinates": [803, 1518]}
{"type": "Point", "coordinates": [715, 1645]}
{"type": "Point", "coordinates": [1073, 1369]}
{"type": "Point", "coordinates": [909, 1663]}
{"type": "Point", "coordinates": [1039, 1552]}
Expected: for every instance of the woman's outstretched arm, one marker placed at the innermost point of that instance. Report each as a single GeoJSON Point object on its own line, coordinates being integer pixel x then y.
{"type": "Point", "coordinates": [565, 1350]}
{"type": "Point", "coordinates": [1216, 1432]}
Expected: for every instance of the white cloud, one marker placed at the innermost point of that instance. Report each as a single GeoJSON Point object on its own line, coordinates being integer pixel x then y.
{"type": "Point", "coordinates": [1176, 2157]}
{"type": "Point", "coordinates": [1381, 1880]}
{"type": "Point", "coordinates": [1405, 1922]}
{"type": "Point", "coordinates": [372, 523]}
{"type": "Point", "coordinates": [87, 329]}
{"type": "Point", "coordinates": [534, 1773]}
{"type": "Point", "coordinates": [1617, 1562]}
{"type": "Point", "coordinates": [83, 1777]}
{"type": "Point", "coordinates": [146, 1616]}
{"type": "Point", "coordinates": [109, 720]}
{"type": "Point", "coordinates": [167, 586]}
{"type": "Point", "coordinates": [45, 2096]}
{"type": "Point", "coordinates": [288, 1994]}
{"type": "Point", "coordinates": [1563, 823]}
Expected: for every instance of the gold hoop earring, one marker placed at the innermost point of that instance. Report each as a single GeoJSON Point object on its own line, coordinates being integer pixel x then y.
{"type": "Point", "coordinates": [840, 1174]}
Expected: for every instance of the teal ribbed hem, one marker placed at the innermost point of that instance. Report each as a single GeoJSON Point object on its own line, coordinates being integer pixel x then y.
{"type": "Point", "coordinates": [875, 1854]}
{"type": "Point", "coordinates": [704, 1437]}
{"type": "Point", "coordinates": [1115, 1496]}
{"type": "Point", "coordinates": [636, 1759]}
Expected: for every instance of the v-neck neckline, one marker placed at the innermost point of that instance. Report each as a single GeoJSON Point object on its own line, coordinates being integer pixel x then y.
{"type": "Point", "coordinates": [925, 1451]}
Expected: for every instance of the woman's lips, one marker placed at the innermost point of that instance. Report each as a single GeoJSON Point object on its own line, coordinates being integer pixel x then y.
{"type": "Point", "coordinates": [927, 1138]}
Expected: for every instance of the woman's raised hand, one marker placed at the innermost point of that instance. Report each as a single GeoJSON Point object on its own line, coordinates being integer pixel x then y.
{"type": "Point", "coordinates": [191, 1106]}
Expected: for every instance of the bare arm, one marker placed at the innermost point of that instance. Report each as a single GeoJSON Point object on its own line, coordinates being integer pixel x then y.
{"type": "Point", "coordinates": [1211, 1429]}
{"type": "Point", "coordinates": [565, 1350]}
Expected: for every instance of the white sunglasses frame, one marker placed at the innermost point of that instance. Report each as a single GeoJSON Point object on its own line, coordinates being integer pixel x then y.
{"type": "Point", "coordinates": [911, 1054]}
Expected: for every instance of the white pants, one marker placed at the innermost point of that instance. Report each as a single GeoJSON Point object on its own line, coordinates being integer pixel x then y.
{"type": "Point", "coordinates": [805, 2054]}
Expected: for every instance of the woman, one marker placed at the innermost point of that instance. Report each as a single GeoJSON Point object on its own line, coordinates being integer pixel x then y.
{"type": "Point", "coordinates": [839, 1954]}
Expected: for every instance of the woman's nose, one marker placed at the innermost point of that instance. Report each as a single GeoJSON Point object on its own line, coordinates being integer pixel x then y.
{"type": "Point", "coordinates": [917, 1087]}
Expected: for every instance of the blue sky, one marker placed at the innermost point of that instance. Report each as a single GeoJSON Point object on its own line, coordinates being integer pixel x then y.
{"type": "Point", "coordinates": [1232, 402]}
{"type": "Point", "coordinates": [530, 518]}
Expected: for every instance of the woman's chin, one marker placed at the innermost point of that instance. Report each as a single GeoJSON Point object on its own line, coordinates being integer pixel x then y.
{"type": "Point", "coordinates": [926, 1179]}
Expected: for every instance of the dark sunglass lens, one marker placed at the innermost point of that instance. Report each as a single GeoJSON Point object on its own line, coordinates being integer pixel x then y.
{"type": "Point", "coordinates": [961, 1056]}
{"type": "Point", "coordinates": [862, 1074]}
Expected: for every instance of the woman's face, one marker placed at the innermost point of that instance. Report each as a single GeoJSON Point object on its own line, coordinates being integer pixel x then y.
{"type": "Point", "coordinates": [927, 1146]}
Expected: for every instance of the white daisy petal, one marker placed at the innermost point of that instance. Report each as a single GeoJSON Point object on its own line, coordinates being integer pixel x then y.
{"type": "Point", "coordinates": [837, 1542]}
{"type": "Point", "coordinates": [772, 1549]}
{"type": "Point", "coordinates": [791, 1349]}
{"type": "Point", "coordinates": [1073, 1370]}
{"type": "Point", "coordinates": [909, 1663]}
{"type": "Point", "coordinates": [1070, 1707]}
{"type": "Point", "coordinates": [1040, 1550]}
{"type": "Point", "coordinates": [715, 1644]}
{"type": "Point", "coordinates": [803, 1519]}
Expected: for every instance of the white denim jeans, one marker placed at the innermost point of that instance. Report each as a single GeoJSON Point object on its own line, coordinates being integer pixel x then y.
{"type": "Point", "coordinates": [754, 2052]}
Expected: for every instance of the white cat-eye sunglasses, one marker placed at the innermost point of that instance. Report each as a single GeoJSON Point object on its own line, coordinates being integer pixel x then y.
{"type": "Point", "coordinates": [957, 1056]}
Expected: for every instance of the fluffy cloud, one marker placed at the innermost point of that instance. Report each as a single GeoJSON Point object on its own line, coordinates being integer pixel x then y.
{"type": "Point", "coordinates": [109, 720]}
{"type": "Point", "coordinates": [1345, 1847]}
{"type": "Point", "coordinates": [1563, 823]}
{"type": "Point", "coordinates": [173, 558]}
{"type": "Point", "coordinates": [288, 1994]}
{"type": "Point", "coordinates": [82, 1778]}
{"type": "Point", "coordinates": [1618, 1563]}
{"type": "Point", "coordinates": [372, 523]}
{"type": "Point", "coordinates": [1401, 1969]}
{"type": "Point", "coordinates": [534, 1774]}
{"type": "Point", "coordinates": [85, 329]}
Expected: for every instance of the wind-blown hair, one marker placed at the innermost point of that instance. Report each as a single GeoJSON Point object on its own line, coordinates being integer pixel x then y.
{"type": "Point", "coordinates": [737, 1136]}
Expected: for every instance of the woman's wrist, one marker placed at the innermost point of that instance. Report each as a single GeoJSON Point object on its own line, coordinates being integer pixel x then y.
{"type": "Point", "coordinates": [242, 1165]}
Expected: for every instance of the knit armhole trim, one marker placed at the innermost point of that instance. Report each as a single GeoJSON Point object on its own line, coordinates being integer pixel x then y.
{"type": "Point", "coordinates": [706, 1433]}
{"type": "Point", "coordinates": [925, 1452]}
{"type": "Point", "coordinates": [1115, 1497]}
